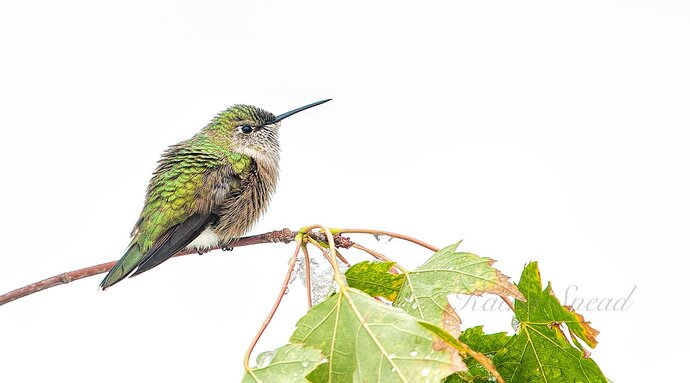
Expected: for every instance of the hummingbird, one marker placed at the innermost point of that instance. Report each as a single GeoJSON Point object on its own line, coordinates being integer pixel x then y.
{"type": "Point", "coordinates": [207, 190]}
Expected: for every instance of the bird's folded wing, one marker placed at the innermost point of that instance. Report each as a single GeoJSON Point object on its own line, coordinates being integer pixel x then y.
{"type": "Point", "coordinates": [174, 240]}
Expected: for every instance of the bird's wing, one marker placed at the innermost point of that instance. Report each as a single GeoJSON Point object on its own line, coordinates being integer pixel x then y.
{"type": "Point", "coordinates": [174, 240]}
{"type": "Point", "coordinates": [183, 197]}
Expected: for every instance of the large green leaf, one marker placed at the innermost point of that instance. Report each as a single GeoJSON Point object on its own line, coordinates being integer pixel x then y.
{"type": "Point", "coordinates": [425, 291]}
{"type": "Point", "coordinates": [289, 364]}
{"type": "Point", "coordinates": [375, 279]}
{"type": "Point", "coordinates": [368, 341]}
{"type": "Point", "coordinates": [541, 351]}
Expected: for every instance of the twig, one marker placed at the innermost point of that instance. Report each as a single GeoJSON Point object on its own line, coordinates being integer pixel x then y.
{"type": "Point", "coordinates": [285, 236]}
{"type": "Point", "coordinates": [56, 280]}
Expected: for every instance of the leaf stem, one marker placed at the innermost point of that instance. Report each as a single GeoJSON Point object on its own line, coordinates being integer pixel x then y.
{"type": "Point", "coordinates": [378, 256]}
{"type": "Point", "coordinates": [286, 281]}
{"type": "Point", "coordinates": [331, 256]}
{"type": "Point", "coordinates": [508, 302]}
{"type": "Point", "coordinates": [342, 258]}
{"type": "Point", "coordinates": [307, 272]}
{"type": "Point", "coordinates": [388, 233]}
{"type": "Point", "coordinates": [371, 252]}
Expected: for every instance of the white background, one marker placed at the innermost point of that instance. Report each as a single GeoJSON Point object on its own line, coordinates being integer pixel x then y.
{"type": "Point", "coordinates": [545, 131]}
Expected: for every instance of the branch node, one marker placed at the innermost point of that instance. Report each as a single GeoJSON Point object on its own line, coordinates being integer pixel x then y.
{"type": "Point", "coordinates": [64, 278]}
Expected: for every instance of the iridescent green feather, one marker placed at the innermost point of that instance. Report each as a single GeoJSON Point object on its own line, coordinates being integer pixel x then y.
{"type": "Point", "coordinates": [175, 189]}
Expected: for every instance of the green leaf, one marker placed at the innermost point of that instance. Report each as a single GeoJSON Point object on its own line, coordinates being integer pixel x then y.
{"type": "Point", "coordinates": [290, 364]}
{"type": "Point", "coordinates": [550, 307]}
{"type": "Point", "coordinates": [365, 340]}
{"type": "Point", "coordinates": [375, 279]}
{"type": "Point", "coordinates": [487, 344]}
{"type": "Point", "coordinates": [484, 344]}
{"type": "Point", "coordinates": [540, 351]}
{"type": "Point", "coordinates": [425, 291]}
{"type": "Point", "coordinates": [485, 369]}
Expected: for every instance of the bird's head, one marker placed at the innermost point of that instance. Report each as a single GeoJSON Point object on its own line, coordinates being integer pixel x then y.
{"type": "Point", "coordinates": [251, 130]}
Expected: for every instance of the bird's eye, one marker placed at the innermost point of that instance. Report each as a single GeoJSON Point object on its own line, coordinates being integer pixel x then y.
{"type": "Point", "coordinates": [246, 129]}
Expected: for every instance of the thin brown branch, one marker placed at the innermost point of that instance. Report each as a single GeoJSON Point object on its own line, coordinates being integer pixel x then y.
{"type": "Point", "coordinates": [285, 236]}
{"type": "Point", "coordinates": [56, 280]}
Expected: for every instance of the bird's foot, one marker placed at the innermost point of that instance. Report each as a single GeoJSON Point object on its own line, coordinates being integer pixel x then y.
{"type": "Point", "coordinates": [227, 248]}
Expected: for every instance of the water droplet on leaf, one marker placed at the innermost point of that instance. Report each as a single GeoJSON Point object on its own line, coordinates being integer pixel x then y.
{"type": "Point", "coordinates": [516, 324]}
{"type": "Point", "coordinates": [264, 359]}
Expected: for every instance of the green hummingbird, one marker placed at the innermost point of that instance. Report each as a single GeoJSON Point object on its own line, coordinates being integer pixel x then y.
{"type": "Point", "coordinates": [206, 190]}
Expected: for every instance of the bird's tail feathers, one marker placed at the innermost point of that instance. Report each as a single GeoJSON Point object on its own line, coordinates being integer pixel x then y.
{"type": "Point", "coordinates": [124, 266]}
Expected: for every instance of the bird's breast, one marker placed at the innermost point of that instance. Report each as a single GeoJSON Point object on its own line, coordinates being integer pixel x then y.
{"type": "Point", "coordinates": [238, 214]}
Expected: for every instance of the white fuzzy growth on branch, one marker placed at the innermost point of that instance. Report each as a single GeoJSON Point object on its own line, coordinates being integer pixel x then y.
{"type": "Point", "coordinates": [321, 276]}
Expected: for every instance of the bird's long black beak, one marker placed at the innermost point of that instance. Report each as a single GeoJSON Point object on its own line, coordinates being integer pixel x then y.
{"type": "Point", "coordinates": [295, 111]}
